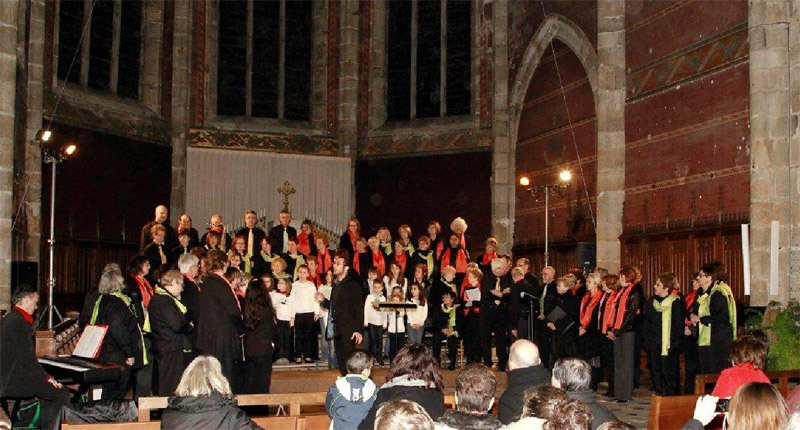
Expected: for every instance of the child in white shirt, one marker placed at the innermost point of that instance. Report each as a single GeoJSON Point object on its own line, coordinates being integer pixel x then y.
{"type": "Point", "coordinates": [306, 314]}
{"type": "Point", "coordinates": [416, 317]}
{"type": "Point", "coordinates": [375, 320]}
{"type": "Point", "coordinates": [397, 331]}
{"type": "Point", "coordinates": [284, 312]}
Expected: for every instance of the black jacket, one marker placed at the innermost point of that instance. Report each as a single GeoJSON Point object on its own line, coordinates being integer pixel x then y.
{"type": "Point", "coordinates": [123, 339]}
{"type": "Point", "coordinates": [276, 237]}
{"type": "Point", "coordinates": [258, 341]}
{"type": "Point", "coordinates": [206, 412]}
{"type": "Point", "coordinates": [258, 234]}
{"type": "Point", "coordinates": [549, 298]}
{"type": "Point", "coordinates": [170, 239]}
{"type": "Point", "coordinates": [600, 414]}
{"type": "Point", "coordinates": [20, 372]}
{"type": "Point", "coordinates": [652, 327]}
{"type": "Point", "coordinates": [154, 257]}
{"type": "Point", "coordinates": [632, 310]}
{"type": "Point", "coordinates": [220, 323]}
{"type": "Point", "coordinates": [488, 300]}
{"type": "Point", "coordinates": [453, 419]}
{"type": "Point", "coordinates": [509, 408]}
{"type": "Point", "coordinates": [170, 327]}
{"type": "Point", "coordinates": [348, 306]}
{"type": "Point", "coordinates": [718, 318]}
{"type": "Point", "coordinates": [519, 306]}
{"type": "Point", "coordinates": [431, 399]}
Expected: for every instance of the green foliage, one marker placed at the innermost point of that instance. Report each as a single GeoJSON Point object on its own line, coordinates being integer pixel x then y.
{"type": "Point", "coordinates": [783, 351]}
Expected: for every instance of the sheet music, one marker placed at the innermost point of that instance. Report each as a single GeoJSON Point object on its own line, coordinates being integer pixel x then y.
{"type": "Point", "coordinates": [474, 294]}
{"type": "Point", "coordinates": [91, 341]}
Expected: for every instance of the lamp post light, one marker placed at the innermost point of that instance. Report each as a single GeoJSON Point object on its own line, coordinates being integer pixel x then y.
{"type": "Point", "coordinates": [539, 191]}
{"type": "Point", "coordinates": [53, 158]}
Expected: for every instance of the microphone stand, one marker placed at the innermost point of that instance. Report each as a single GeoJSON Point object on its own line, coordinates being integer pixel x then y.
{"type": "Point", "coordinates": [531, 300]}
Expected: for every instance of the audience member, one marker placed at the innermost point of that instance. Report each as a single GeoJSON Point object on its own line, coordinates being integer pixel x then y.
{"type": "Point", "coordinates": [204, 400]}
{"type": "Point", "coordinates": [574, 376]}
{"type": "Point", "coordinates": [794, 422]}
{"type": "Point", "coordinates": [400, 414]}
{"type": "Point", "coordinates": [537, 407]}
{"type": "Point", "coordinates": [749, 358]}
{"type": "Point", "coordinates": [259, 337]}
{"type": "Point", "coordinates": [755, 405]}
{"type": "Point", "coordinates": [525, 371]}
{"type": "Point", "coordinates": [474, 397]}
{"type": "Point", "coordinates": [412, 376]}
{"type": "Point", "coordinates": [351, 396]}
{"type": "Point", "coordinates": [616, 425]}
{"type": "Point", "coordinates": [569, 415]}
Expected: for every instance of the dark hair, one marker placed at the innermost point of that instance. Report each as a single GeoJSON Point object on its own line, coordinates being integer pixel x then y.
{"type": "Point", "coordinates": [450, 293]}
{"type": "Point", "coordinates": [578, 273]}
{"type": "Point", "coordinates": [422, 300]}
{"type": "Point", "coordinates": [716, 270]}
{"type": "Point", "coordinates": [231, 273]}
{"type": "Point", "coordinates": [668, 280]}
{"type": "Point", "coordinates": [573, 374]}
{"type": "Point", "coordinates": [257, 304]}
{"type": "Point", "coordinates": [21, 292]}
{"type": "Point", "coordinates": [749, 349]}
{"type": "Point", "coordinates": [136, 263]}
{"type": "Point", "coordinates": [216, 260]}
{"type": "Point", "coordinates": [540, 400]}
{"type": "Point", "coordinates": [358, 360]}
{"type": "Point", "coordinates": [210, 234]}
{"type": "Point", "coordinates": [475, 386]}
{"type": "Point", "coordinates": [183, 233]}
{"type": "Point", "coordinates": [343, 254]}
{"type": "Point", "coordinates": [416, 361]}
{"type": "Point", "coordinates": [569, 414]}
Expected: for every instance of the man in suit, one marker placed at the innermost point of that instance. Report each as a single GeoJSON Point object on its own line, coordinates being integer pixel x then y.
{"type": "Point", "coordinates": [547, 302]}
{"type": "Point", "coordinates": [280, 234]}
{"type": "Point", "coordinates": [252, 235]}
{"type": "Point", "coordinates": [21, 375]}
{"type": "Point", "coordinates": [162, 218]}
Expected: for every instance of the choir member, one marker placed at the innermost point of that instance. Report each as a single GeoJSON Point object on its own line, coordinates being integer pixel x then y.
{"type": "Point", "coordinates": [459, 227]}
{"type": "Point", "coordinates": [579, 290]}
{"type": "Point", "coordinates": [235, 259]}
{"type": "Point", "coordinates": [171, 327]}
{"type": "Point", "coordinates": [564, 329]}
{"type": "Point", "coordinates": [262, 260]}
{"type": "Point", "coordinates": [447, 325]}
{"type": "Point", "coordinates": [224, 240]}
{"type": "Point", "coordinates": [211, 240]}
{"type": "Point", "coordinates": [385, 240]}
{"type": "Point", "coordinates": [628, 304]}
{"type": "Point", "coordinates": [156, 252]}
{"type": "Point", "coordinates": [294, 259]}
{"type": "Point", "coordinates": [416, 317]}
{"type": "Point", "coordinates": [489, 254]}
{"type": "Point", "coordinates": [533, 281]}
{"type": "Point", "coordinates": [425, 256]}
{"type": "Point", "coordinates": [434, 234]}
{"type": "Point", "coordinates": [183, 248]}
{"type": "Point", "coordinates": [419, 276]}
{"type": "Point", "coordinates": [519, 302]}
{"type": "Point", "coordinates": [306, 314]}
{"type": "Point", "coordinates": [547, 302]}
{"type": "Point", "coordinates": [313, 271]}
{"type": "Point", "coordinates": [259, 322]}
{"type": "Point", "coordinates": [280, 235]}
{"type": "Point", "coordinates": [663, 331]}
{"type": "Point", "coordinates": [251, 234]}
{"type": "Point", "coordinates": [472, 311]}
{"type": "Point", "coordinates": [715, 318]}
{"type": "Point", "coordinates": [305, 240]}
{"type": "Point", "coordinates": [284, 314]}
{"type": "Point", "coordinates": [324, 258]}
{"type": "Point", "coordinates": [395, 278]}
{"type": "Point", "coordinates": [589, 336]}
{"type": "Point", "coordinates": [162, 219]}
{"type": "Point", "coordinates": [189, 265]}
{"type": "Point", "coordinates": [378, 258]}
{"type": "Point", "coordinates": [404, 233]}
{"type": "Point", "coordinates": [691, 356]}
{"type": "Point", "coordinates": [456, 256]}
{"type": "Point", "coordinates": [185, 225]}
{"type": "Point", "coordinates": [494, 317]}
{"type": "Point", "coordinates": [348, 240]}
{"type": "Point", "coordinates": [240, 249]}
{"type": "Point", "coordinates": [362, 259]}
{"type": "Point", "coordinates": [139, 290]}
{"type": "Point", "coordinates": [400, 255]}
{"type": "Point", "coordinates": [605, 321]}
{"type": "Point", "coordinates": [278, 266]}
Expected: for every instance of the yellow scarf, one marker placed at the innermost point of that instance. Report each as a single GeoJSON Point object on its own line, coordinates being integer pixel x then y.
{"type": "Point", "coordinates": [704, 331]}
{"type": "Point", "coordinates": [665, 308]}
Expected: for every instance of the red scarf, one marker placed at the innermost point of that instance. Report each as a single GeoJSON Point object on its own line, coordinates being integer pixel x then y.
{"type": "Point", "coordinates": [379, 263]}
{"type": "Point", "coordinates": [463, 240]}
{"type": "Point", "coordinates": [323, 261]}
{"type": "Point", "coordinates": [608, 315]}
{"type": "Point", "coordinates": [588, 304]}
{"type": "Point", "coordinates": [144, 288]}
{"type": "Point", "coordinates": [487, 258]}
{"type": "Point", "coordinates": [28, 317]}
{"type": "Point", "coordinates": [353, 238]}
{"type": "Point", "coordinates": [690, 299]}
{"type": "Point", "coordinates": [575, 289]}
{"type": "Point", "coordinates": [235, 296]}
{"type": "Point", "coordinates": [622, 306]}
{"type": "Point", "coordinates": [356, 262]}
{"type": "Point", "coordinates": [461, 260]}
{"type": "Point", "coordinates": [439, 249]}
{"type": "Point", "coordinates": [475, 308]}
{"type": "Point", "coordinates": [316, 280]}
{"type": "Point", "coordinates": [303, 245]}
{"type": "Point", "coordinates": [401, 259]}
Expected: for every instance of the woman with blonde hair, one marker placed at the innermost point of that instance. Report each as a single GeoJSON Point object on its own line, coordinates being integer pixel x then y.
{"type": "Point", "coordinates": [755, 405]}
{"type": "Point", "coordinates": [204, 399]}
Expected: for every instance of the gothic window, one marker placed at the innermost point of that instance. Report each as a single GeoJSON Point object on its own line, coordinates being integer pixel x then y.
{"type": "Point", "coordinates": [429, 54]}
{"type": "Point", "coordinates": [264, 58]}
{"type": "Point", "coordinates": [107, 57]}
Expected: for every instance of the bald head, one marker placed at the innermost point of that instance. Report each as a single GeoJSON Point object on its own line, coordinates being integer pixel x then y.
{"type": "Point", "coordinates": [161, 213]}
{"type": "Point", "coordinates": [523, 353]}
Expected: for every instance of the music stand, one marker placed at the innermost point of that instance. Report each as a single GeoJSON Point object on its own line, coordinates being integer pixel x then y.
{"type": "Point", "coordinates": [396, 307]}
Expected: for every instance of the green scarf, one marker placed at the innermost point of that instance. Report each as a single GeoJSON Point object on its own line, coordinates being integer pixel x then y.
{"type": "Point", "coordinates": [451, 319]}
{"type": "Point", "coordinates": [665, 308]}
{"type": "Point", "coordinates": [451, 285]}
{"type": "Point", "coordinates": [127, 301]}
{"type": "Point", "coordinates": [164, 292]}
{"type": "Point", "coordinates": [541, 300]}
{"type": "Point", "coordinates": [298, 261]}
{"type": "Point", "coordinates": [428, 262]}
{"type": "Point", "coordinates": [387, 248]}
{"type": "Point", "coordinates": [704, 331]}
{"type": "Point", "coordinates": [410, 249]}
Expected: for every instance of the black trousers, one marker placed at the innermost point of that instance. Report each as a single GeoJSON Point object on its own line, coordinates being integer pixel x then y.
{"type": "Point", "coordinates": [470, 333]}
{"type": "Point", "coordinates": [170, 370]}
{"type": "Point", "coordinates": [144, 376]}
{"type": "Point", "coordinates": [396, 343]}
{"type": "Point", "coordinates": [713, 358]}
{"type": "Point", "coordinates": [543, 341]}
{"type": "Point", "coordinates": [607, 361]}
{"type": "Point", "coordinates": [375, 346]}
{"type": "Point", "coordinates": [285, 343]}
{"type": "Point", "coordinates": [343, 347]}
{"type": "Point", "coordinates": [116, 390]}
{"type": "Point", "coordinates": [666, 371]}
{"type": "Point", "coordinates": [691, 363]}
{"type": "Point", "coordinates": [494, 320]}
{"type": "Point", "coordinates": [258, 373]}
{"type": "Point", "coordinates": [305, 341]}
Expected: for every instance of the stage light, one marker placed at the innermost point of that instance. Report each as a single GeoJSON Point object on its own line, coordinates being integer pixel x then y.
{"type": "Point", "coordinates": [565, 175]}
{"type": "Point", "coordinates": [43, 135]}
{"type": "Point", "coordinates": [70, 149]}
{"type": "Point", "coordinates": [524, 181]}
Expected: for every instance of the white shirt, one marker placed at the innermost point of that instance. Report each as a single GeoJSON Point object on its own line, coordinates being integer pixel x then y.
{"type": "Point", "coordinates": [394, 283]}
{"type": "Point", "coordinates": [326, 291]}
{"type": "Point", "coordinates": [372, 315]}
{"type": "Point", "coordinates": [303, 299]}
{"type": "Point", "coordinates": [418, 315]}
{"type": "Point", "coordinates": [283, 305]}
{"type": "Point", "coordinates": [401, 327]}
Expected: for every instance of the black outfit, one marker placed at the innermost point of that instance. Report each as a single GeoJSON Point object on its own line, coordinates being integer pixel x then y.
{"type": "Point", "coordinates": [206, 412]}
{"type": "Point", "coordinates": [439, 322]}
{"type": "Point", "coordinates": [220, 324]}
{"type": "Point", "coordinates": [600, 414]}
{"type": "Point", "coordinates": [173, 348]}
{"type": "Point", "coordinates": [495, 318]}
{"type": "Point", "coordinates": [418, 258]}
{"type": "Point", "coordinates": [471, 327]}
{"type": "Point", "coordinates": [154, 257]}
{"type": "Point", "coordinates": [170, 238]}
{"type": "Point", "coordinates": [258, 234]}
{"type": "Point", "coordinates": [565, 336]}
{"type": "Point", "coordinates": [258, 352]}
{"type": "Point", "coordinates": [346, 244]}
{"type": "Point", "coordinates": [431, 399]}
{"type": "Point", "coordinates": [262, 265]}
{"type": "Point", "coordinates": [520, 309]}
{"type": "Point", "coordinates": [88, 307]}
{"type": "Point", "coordinates": [544, 334]}
{"type": "Point", "coordinates": [347, 314]}
{"type": "Point", "coordinates": [714, 357]}
{"type": "Point", "coordinates": [276, 237]}
{"type": "Point", "coordinates": [190, 297]}
{"type": "Point", "coordinates": [606, 346]}
{"type": "Point", "coordinates": [624, 345]}
{"type": "Point", "coordinates": [666, 372]}
{"type": "Point", "coordinates": [21, 375]}
{"type": "Point", "coordinates": [463, 420]}
{"type": "Point", "coordinates": [194, 237]}
{"type": "Point", "coordinates": [509, 407]}
{"type": "Point", "coordinates": [364, 263]}
{"type": "Point", "coordinates": [691, 357]}
{"type": "Point", "coordinates": [291, 263]}
{"type": "Point", "coordinates": [122, 340]}
{"type": "Point", "coordinates": [143, 374]}
{"type": "Point", "coordinates": [589, 344]}
{"type": "Point", "coordinates": [176, 253]}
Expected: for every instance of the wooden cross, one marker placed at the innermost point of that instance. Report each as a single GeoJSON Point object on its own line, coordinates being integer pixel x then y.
{"type": "Point", "coordinates": [286, 190]}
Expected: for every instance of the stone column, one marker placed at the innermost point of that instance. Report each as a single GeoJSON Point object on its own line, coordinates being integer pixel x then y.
{"type": "Point", "coordinates": [181, 58]}
{"type": "Point", "coordinates": [319, 63]}
{"type": "Point", "coordinates": [8, 73]}
{"type": "Point", "coordinates": [348, 86]}
{"type": "Point", "coordinates": [610, 130]}
{"type": "Point", "coordinates": [503, 156]}
{"type": "Point", "coordinates": [770, 122]}
{"type": "Point", "coordinates": [794, 148]}
{"type": "Point", "coordinates": [152, 34]}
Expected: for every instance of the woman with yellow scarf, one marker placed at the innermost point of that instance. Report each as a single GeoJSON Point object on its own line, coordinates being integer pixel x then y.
{"type": "Point", "coordinates": [715, 318]}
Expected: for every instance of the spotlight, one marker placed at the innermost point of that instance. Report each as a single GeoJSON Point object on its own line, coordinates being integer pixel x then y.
{"type": "Point", "coordinates": [70, 149]}
{"type": "Point", "coordinates": [565, 176]}
{"type": "Point", "coordinates": [43, 135]}
{"type": "Point", "coordinates": [524, 181]}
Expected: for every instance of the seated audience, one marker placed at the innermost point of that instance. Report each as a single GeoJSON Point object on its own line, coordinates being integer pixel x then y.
{"type": "Point", "coordinates": [413, 376]}
{"type": "Point", "coordinates": [574, 376]}
{"type": "Point", "coordinates": [525, 371]}
{"type": "Point", "coordinates": [754, 405]}
{"type": "Point", "coordinates": [204, 400]}
{"type": "Point", "coordinates": [351, 396]}
{"type": "Point", "coordinates": [749, 357]}
{"type": "Point", "coordinates": [537, 407]}
{"type": "Point", "coordinates": [794, 422]}
{"type": "Point", "coordinates": [616, 425]}
{"type": "Point", "coordinates": [401, 414]}
{"type": "Point", "coordinates": [569, 415]}
{"type": "Point", "coordinates": [171, 327]}
{"type": "Point", "coordinates": [474, 398]}
{"type": "Point", "coordinates": [21, 375]}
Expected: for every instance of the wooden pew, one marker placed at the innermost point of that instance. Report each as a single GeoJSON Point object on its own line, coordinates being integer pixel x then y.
{"type": "Point", "coordinates": [294, 400]}
{"type": "Point", "coordinates": [277, 423]}
{"type": "Point", "coordinates": [704, 384]}
{"type": "Point", "coordinates": [670, 412]}
{"type": "Point", "coordinates": [314, 422]}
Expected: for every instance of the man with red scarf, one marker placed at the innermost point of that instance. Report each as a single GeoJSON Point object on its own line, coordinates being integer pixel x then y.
{"type": "Point", "coordinates": [627, 306]}
{"type": "Point", "coordinates": [218, 226]}
{"type": "Point", "coordinates": [21, 375]}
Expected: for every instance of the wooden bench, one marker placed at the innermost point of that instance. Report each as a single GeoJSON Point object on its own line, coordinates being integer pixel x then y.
{"type": "Point", "coordinates": [670, 412]}
{"type": "Point", "coordinates": [782, 379]}
{"type": "Point", "coordinates": [294, 400]}
{"type": "Point", "coordinates": [277, 423]}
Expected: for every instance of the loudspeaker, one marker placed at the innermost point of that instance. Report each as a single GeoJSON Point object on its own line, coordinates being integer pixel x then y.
{"type": "Point", "coordinates": [24, 273]}
{"type": "Point", "coordinates": [586, 255]}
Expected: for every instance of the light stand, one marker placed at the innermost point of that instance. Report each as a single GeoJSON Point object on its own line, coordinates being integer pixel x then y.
{"type": "Point", "coordinates": [537, 191]}
{"type": "Point", "coordinates": [53, 158]}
